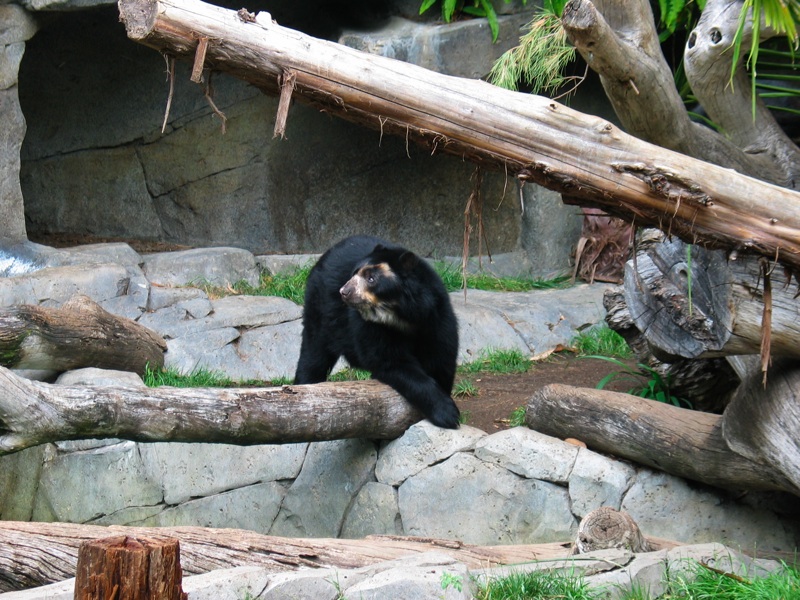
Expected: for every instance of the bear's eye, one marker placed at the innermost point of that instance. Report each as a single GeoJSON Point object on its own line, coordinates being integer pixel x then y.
{"type": "Point", "coordinates": [371, 279]}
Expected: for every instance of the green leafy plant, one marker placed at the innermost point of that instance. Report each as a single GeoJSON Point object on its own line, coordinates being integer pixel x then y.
{"type": "Point", "coordinates": [539, 60]}
{"type": "Point", "coordinates": [517, 417]}
{"type": "Point", "coordinates": [448, 580]}
{"type": "Point", "coordinates": [649, 382]}
{"type": "Point", "coordinates": [477, 8]}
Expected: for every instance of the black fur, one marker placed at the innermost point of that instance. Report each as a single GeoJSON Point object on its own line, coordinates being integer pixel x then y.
{"type": "Point", "coordinates": [387, 311]}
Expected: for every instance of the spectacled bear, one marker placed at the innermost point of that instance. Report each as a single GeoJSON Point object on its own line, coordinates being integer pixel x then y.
{"type": "Point", "coordinates": [386, 311]}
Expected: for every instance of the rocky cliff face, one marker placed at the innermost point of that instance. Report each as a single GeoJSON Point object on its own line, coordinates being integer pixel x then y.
{"type": "Point", "coordinates": [95, 160]}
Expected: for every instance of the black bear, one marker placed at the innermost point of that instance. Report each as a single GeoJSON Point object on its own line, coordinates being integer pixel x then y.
{"type": "Point", "coordinates": [386, 311]}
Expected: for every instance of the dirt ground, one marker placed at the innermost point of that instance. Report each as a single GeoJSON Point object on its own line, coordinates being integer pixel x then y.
{"type": "Point", "coordinates": [498, 395]}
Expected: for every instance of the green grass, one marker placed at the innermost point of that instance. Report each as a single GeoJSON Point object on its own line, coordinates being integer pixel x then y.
{"type": "Point", "coordinates": [703, 584]}
{"type": "Point", "coordinates": [517, 417]}
{"type": "Point", "coordinates": [498, 361]}
{"type": "Point", "coordinates": [350, 374]}
{"type": "Point", "coordinates": [453, 281]}
{"type": "Point", "coordinates": [601, 341]}
{"type": "Point", "coordinates": [465, 389]}
{"type": "Point", "coordinates": [200, 378]}
{"type": "Point", "coordinates": [290, 285]}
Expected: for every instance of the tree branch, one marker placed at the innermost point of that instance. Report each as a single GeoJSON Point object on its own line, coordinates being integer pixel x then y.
{"type": "Point", "coordinates": [708, 60]}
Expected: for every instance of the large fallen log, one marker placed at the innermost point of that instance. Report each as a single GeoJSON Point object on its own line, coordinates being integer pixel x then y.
{"type": "Point", "coordinates": [530, 137]}
{"type": "Point", "coordinates": [34, 554]}
{"type": "Point", "coordinates": [78, 334]}
{"type": "Point", "coordinates": [33, 413]}
{"type": "Point", "coordinates": [682, 442]}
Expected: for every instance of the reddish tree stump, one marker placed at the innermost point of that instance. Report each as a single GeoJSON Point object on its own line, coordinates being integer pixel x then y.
{"type": "Point", "coordinates": [126, 568]}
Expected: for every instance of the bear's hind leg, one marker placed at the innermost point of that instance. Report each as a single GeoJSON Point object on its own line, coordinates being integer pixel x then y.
{"type": "Point", "coordinates": [315, 363]}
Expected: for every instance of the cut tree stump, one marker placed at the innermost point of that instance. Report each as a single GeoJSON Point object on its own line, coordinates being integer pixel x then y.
{"type": "Point", "coordinates": [78, 334]}
{"type": "Point", "coordinates": [129, 568]}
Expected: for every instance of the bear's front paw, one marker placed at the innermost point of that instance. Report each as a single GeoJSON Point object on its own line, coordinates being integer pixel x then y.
{"type": "Point", "coordinates": [446, 415]}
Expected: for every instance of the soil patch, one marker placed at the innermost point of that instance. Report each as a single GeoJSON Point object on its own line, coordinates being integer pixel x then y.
{"type": "Point", "coordinates": [499, 395]}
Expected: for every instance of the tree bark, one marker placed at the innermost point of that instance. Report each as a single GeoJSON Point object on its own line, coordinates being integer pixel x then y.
{"type": "Point", "coordinates": [729, 101]}
{"type": "Point", "coordinates": [33, 413]}
{"type": "Point", "coordinates": [529, 137]}
{"type": "Point", "coordinates": [682, 442]}
{"type": "Point", "coordinates": [708, 305]}
{"type": "Point", "coordinates": [619, 41]}
{"type": "Point", "coordinates": [79, 334]}
{"type": "Point", "coordinates": [129, 568]}
{"type": "Point", "coordinates": [34, 554]}
{"type": "Point", "coordinates": [763, 424]}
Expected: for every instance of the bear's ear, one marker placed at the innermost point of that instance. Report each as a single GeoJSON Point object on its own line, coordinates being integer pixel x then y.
{"type": "Point", "coordinates": [407, 261]}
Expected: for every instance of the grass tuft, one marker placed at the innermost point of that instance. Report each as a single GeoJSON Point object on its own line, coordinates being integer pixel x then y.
{"type": "Point", "coordinates": [498, 361]}
{"type": "Point", "coordinates": [601, 341]}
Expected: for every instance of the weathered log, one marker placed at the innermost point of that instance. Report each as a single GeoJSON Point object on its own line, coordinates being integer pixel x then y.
{"type": "Point", "coordinates": [707, 304]}
{"type": "Point", "coordinates": [33, 413]}
{"type": "Point", "coordinates": [34, 554]}
{"type": "Point", "coordinates": [530, 137]}
{"type": "Point", "coordinates": [606, 527]}
{"type": "Point", "coordinates": [78, 334]}
{"type": "Point", "coordinates": [682, 442]}
{"type": "Point", "coordinates": [707, 383]}
{"type": "Point", "coordinates": [129, 568]}
{"type": "Point", "coordinates": [762, 424]}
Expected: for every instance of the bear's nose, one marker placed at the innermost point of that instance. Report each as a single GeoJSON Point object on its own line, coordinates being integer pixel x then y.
{"type": "Point", "coordinates": [346, 291]}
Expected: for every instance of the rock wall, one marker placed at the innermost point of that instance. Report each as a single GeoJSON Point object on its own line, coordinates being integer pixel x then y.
{"type": "Point", "coordinates": [94, 160]}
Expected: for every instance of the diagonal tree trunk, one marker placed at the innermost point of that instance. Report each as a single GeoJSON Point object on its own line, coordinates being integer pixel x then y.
{"type": "Point", "coordinates": [529, 137]}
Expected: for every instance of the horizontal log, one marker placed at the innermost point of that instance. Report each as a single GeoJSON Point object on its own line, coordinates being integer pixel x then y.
{"type": "Point", "coordinates": [33, 413]}
{"type": "Point", "coordinates": [34, 554]}
{"type": "Point", "coordinates": [530, 137]}
{"type": "Point", "coordinates": [78, 334]}
{"type": "Point", "coordinates": [681, 442]}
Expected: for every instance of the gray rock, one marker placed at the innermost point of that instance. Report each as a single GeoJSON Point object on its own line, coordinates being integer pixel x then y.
{"type": "Point", "coordinates": [422, 445]}
{"type": "Point", "coordinates": [54, 286]}
{"type": "Point", "coordinates": [320, 584]}
{"type": "Point", "coordinates": [18, 24]}
{"type": "Point", "coordinates": [598, 480]}
{"type": "Point", "coordinates": [462, 48]}
{"type": "Point", "coordinates": [214, 266]}
{"type": "Point", "coordinates": [267, 353]}
{"type": "Point", "coordinates": [285, 263]}
{"type": "Point", "coordinates": [163, 297]}
{"type": "Point", "coordinates": [19, 480]}
{"type": "Point", "coordinates": [93, 377]}
{"type": "Point", "coordinates": [652, 499]}
{"type": "Point", "coordinates": [117, 480]}
{"type": "Point", "coordinates": [413, 578]}
{"type": "Point", "coordinates": [252, 507]}
{"type": "Point", "coordinates": [529, 453]}
{"type": "Point", "coordinates": [12, 124]}
{"type": "Point", "coordinates": [512, 510]}
{"type": "Point", "coordinates": [192, 470]}
{"type": "Point", "coordinates": [207, 350]}
{"type": "Point", "coordinates": [477, 324]}
{"type": "Point", "coordinates": [332, 475]}
{"type": "Point", "coordinates": [374, 512]}
{"type": "Point", "coordinates": [546, 319]}
{"type": "Point", "coordinates": [117, 253]}
{"type": "Point", "coordinates": [235, 583]}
